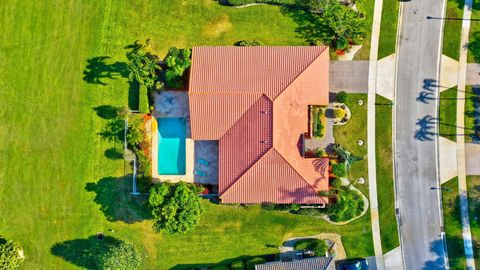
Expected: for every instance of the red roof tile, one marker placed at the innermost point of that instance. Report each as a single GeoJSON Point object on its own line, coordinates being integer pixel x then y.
{"type": "Point", "coordinates": [255, 101]}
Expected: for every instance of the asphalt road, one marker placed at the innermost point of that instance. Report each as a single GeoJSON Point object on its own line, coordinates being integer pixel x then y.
{"type": "Point", "coordinates": [415, 153]}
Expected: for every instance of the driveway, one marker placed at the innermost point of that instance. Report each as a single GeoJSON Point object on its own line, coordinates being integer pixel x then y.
{"type": "Point", "coordinates": [472, 157]}
{"type": "Point", "coordinates": [473, 74]}
{"type": "Point", "coordinates": [349, 76]}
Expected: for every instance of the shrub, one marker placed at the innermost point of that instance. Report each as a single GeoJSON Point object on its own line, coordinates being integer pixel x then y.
{"type": "Point", "coordinates": [143, 105]}
{"type": "Point", "coordinates": [11, 255]}
{"type": "Point", "coordinates": [335, 182]}
{"type": "Point", "coordinates": [295, 207]}
{"type": "Point", "coordinates": [220, 267]}
{"type": "Point", "coordinates": [121, 256]}
{"type": "Point", "coordinates": [342, 97]}
{"type": "Point", "coordinates": [238, 265]}
{"type": "Point", "coordinates": [339, 113]}
{"type": "Point", "coordinates": [320, 152]}
{"type": "Point", "coordinates": [319, 247]}
{"type": "Point", "coordinates": [143, 68]}
{"type": "Point", "coordinates": [349, 205]}
{"type": "Point", "coordinates": [135, 133]}
{"type": "Point", "coordinates": [175, 207]}
{"type": "Point", "coordinates": [268, 206]}
{"type": "Point", "coordinates": [249, 43]}
{"type": "Point", "coordinates": [177, 61]}
{"type": "Point", "coordinates": [339, 170]}
{"type": "Point", "coordinates": [250, 264]}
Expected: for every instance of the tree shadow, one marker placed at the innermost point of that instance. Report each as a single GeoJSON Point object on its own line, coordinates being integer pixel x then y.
{"type": "Point", "coordinates": [83, 252]}
{"type": "Point", "coordinates": [437, 248]}
{"type": "Point", "coordinates": [107, 111]}
{"type": "Point", "coordinates": [97, 70]}
{"type": "Point", "coordinates": [309, 27]}
{"type": "Point", "coordinates": [113, 153]}
{"type": "Point", "coordinates": [116, 202]}
{"type": "Point", "coordinates": [113, 130]}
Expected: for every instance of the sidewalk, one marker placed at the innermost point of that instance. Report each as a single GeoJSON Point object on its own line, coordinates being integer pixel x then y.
{"type": "Point", "coordinates": [372, 167]}
{"type": "Point", "coordinates": [462, 181]}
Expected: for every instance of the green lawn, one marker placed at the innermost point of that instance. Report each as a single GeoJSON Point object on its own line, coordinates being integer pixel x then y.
{"type": "Point", "coordinates": [473, 188]}
{"type": "Point", "coordinates": [388, 28]}
{"type": "Point", "coordinates": [385, 181]}
{"type": "Point", "coordinates": [452, 29]}
{"type": "Point", "coordinates": [366, 7]}
{"type": "Point", "coordinates": [474, 40]}
{"type": "Point", "coordinates": [448, 114]}
{"type": "Point", "coordinates": [58, 185]}
{"type": "Point", "coordinates": [348, 135]}
{"type": "Point", "coordinates": [453, 225]}
{"type": "Point", "coordinates": [472, 113]}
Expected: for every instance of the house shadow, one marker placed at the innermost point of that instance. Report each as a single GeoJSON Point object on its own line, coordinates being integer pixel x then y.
{"type": "Point", "coordinates": [227, 262]}
{"type": "Point", "coordinates": [113, 194]}
{"type": "Point", "coordinates": [83, 252]}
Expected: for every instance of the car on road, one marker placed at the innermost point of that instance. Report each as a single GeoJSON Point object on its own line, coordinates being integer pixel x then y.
{"type": "Point", "coordinates": [353, 264]}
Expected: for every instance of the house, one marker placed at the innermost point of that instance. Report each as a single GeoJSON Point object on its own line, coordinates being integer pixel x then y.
{"type": "Point", "coordinates": [315, 263]}
{"type": "Point", "coordinates": [255, 101]}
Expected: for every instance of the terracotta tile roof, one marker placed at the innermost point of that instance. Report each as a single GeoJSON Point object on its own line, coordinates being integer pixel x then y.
{"type": "Point", "coordinates": [315, 263]}
{"type": "Point", "coordinates": [255, 101]}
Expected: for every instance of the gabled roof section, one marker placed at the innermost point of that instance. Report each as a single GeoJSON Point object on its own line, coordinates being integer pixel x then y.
{"type": "Point", "coordinates": [246, 142]}
{"type": "Point", "coordinates": [271, 180]}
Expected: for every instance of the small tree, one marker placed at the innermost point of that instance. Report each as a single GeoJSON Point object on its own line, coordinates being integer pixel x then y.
{"type": "Point", "coordinates": [119, 257]}
{"type": "Point", "coordinates": [177, 61]}
{"type": "Point", "coordinates": [339, 170]}
{"type": "Point", "coordinates": [11, 255]}
{"type": "Point", "coordinates": [342, 97]}
{"type": "Point", "coordinates": [345, 156]}
{"type": "Point", "coordinates": [143, 68]}
{"type": "Point", "coordinates": [175, 207]}
{"type": "Point", "coordinates": [135, 133]}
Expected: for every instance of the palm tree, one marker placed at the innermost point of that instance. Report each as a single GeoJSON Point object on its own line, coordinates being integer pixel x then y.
{"type": "Point", "coordinates": [345, 156]}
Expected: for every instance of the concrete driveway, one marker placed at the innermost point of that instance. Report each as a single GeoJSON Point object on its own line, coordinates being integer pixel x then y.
{"type": "Point", "coordinates": [473, 74]}
{"type": "Point", "coordinates": [349, 76]}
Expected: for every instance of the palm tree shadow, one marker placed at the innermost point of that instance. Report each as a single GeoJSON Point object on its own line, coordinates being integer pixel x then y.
{"type": "Point", "coordinates": [116, 202]}
{"type": "Point", "coordinates": [97, 70]}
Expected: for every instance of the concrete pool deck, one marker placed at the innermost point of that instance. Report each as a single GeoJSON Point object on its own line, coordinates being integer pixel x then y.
{"type": "Point", "coordinates": [174, 104]}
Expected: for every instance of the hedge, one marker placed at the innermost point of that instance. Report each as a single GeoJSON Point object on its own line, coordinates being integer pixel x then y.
{"type": "Point", "coordinates": [252, 262]}
{"type": "Point", "coordinates": [238, 265]}
{"type": "Point", "coordinates": [143, 106]}
{"type": "Point", "coordinates": [246, 2]}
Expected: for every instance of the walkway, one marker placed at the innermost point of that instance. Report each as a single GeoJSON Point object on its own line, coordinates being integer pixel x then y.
{"type": "Point", "coordinates": [462, 179]}
{"type": "Point", "coordinates": [372, 167]}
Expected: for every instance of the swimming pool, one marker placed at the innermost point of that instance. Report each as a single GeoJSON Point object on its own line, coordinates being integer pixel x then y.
{"type": "Point", "coordinates": [171, 146]}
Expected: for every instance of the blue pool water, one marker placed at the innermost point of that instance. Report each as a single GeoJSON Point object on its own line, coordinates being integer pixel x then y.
{"type": "Point", "coordinates": [171, 146]}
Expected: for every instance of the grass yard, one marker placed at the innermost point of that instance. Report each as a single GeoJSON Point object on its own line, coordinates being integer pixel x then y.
{"type": "Point", "coordinates": [453, 225]}
{"type": "Point", "coordinates": [385, 181]}
{"type": "Point", "coordinates": [452, 29]}
{"type": "Point", "coordinates": [474, 40]}
{"type": "Point", "coordinates": [473, 188]}
{"type": "Point", "coordinates": [448, 114]}
{"type": "Point", "coordinates": [388, 28]}
{"type": "Point", "coordinates": [472, 113]}
{"type": "Point", "coordinates": [367, 8]}
{"type": "Point", "coordinates": [348, 135]}
{"type": "Point", "coordinates": [57, 185]}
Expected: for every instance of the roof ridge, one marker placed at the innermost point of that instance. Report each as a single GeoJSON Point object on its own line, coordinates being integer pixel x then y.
{"type": "Point", "coordinates": [301, 72]}
{"type": "Point", "coordinates": [234, 123]}
{"type": "Point", "coordinates": [296, 171]}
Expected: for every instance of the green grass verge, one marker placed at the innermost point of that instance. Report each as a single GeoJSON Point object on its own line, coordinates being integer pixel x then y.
{"type": "Point", "coordinates": [366, 7]}
{"type": "Point", "coordinates": [385, 181]}
{"type": "Point", "coordinates": [452, 29]}
{"type": "Point", "coordinates": [453, 225]}
{"type": "Point", "coordinates": [348, 135]}
{"type": "Point", "coordinates": [472, 112]}
{"type": "Point", "coordinates": [448, 114]}
{"type": "Point", "coordinates": [388, 28]}
{"type": "Point", "coordinates": [58, 185]}
{"type": "Point", "coordinates": [473, 188]}
{"type": "Point", "coordinates": [474, 39]}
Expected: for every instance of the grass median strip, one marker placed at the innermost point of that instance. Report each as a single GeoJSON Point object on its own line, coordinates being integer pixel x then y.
{"type": "Point", "coordinates": [388, 28]}
{"type": "Point", "coordinates": [473, 188]}
{"type": "Point", "coordinates": [448, 114]}
{"type": "Point", "coordinates": [385, 181]}
{"type": "Point", "coordinates": [452, 29]}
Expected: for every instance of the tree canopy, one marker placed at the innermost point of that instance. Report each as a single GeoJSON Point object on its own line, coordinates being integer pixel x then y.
{"type": "Point", "coordinates": [11, 255]}
{"type": "Point", "coordinates": [176, 208]}
{"type": "Point", "coordinates": [349, 205]}
{"type": "Point", "coordinates": [177, 61]}
{"type": "Point", "coordinates": [143, 68]}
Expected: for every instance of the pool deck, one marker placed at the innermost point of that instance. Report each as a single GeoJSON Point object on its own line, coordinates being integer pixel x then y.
{"type": "Point", "coordinates": [174, 104]}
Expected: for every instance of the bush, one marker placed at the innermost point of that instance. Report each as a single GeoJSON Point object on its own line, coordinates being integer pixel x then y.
{"type": "Point", "coordinates": [249, 43]}
{"type": "Point", "coordinates": [319, 247]}
{"type": "Point", "coordinates": [339, 113]}
{"type": "Point", "coordinates": [10, 255]}
{"type": "Point", "coordinates": [268, 206]}
{"type": "Point", "coordinates": [177, 61]}
{"type": "Point", "coordinates": [238, 265]}
{"type": "Point", "coordinates": [135, 133]}
{"type": "Point", "coordinates": [143, 105]}
{"type": "Point", "coordinates": [342, 97]}
{"type": "Point", "coordinates": [175, 207]}
{"type": "Point", "coordinates": [320, 152]}
{"type": "Point", "coordinates": [122, 256]}
{"type": "Point", "coordinates": [349, 205]}
{"type": "Point", "coordinates": [250, 264]}
{"type": "Point", "coordinates": [339, 170]}
{"type": "Point", "coordinates": [335, 182]}
{"type": "Point", "coordinates": [295, 207]}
